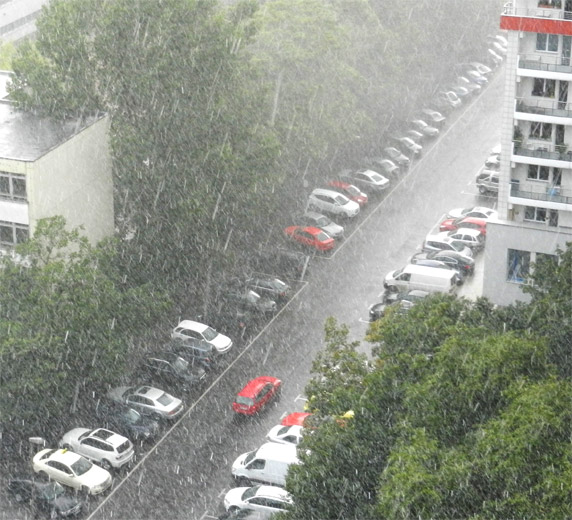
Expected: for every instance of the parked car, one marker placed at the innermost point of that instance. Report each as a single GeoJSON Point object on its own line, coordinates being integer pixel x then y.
{"type": "Point", "coordinates": [397, 156]}
{"type": "Point", "coordinates": [408, 145]}
{"type": "Point", "coordinates": [447, 99]}
{"type": "Point", "coordinates": [464, 222]}
{"type": "Point", "coordinates": [462, 263]}
{"type": "Point", "coordinates": [461, 91]}
{"type": "Point", "coordinates": [433, 117]}
{"type": "Point", "coordinates": [415, 135]}
{"type": "Point", "coordinates": [368, 180]}
{"type": "Point", "coordinates": [126, 421]}
{"type": "Point", "coordinates": [499, 48]}
{"type": "Point", "coordinates": [494, 59]}
{"type": "Point", "coordinates": [474, 211]}
{"type": "Point", "coordinates": [424, 128]}
{"type": "Point", "coordinates": [472, 238]}
{"type": "Point", "coordinates": [245, 514]}
{"type": "Point", "coordinates": [314, 219]}
{"type": "Point", "coordinates": [104, 447]}
{"type": "Point", "coordinates": [285, 434]}
{"type": "Point", "coordinates": [443, 242]}
{"type": "Point", "coordinates": [481, 68]}
{"type": "Point", "coordinates": [487, 181]}
{"type": "Point", "coordinates": [472, 87]}
{"type": "Point", "coordinates": [194, 349]}
{"type": "Point", "coordinates": [310, 237]}
{"type": "Point", "coordinates": [475, 77]}
{"type": "Point", "coordinates": [405, 300]}
{"type": "Point", "coordinates": [269, 286]}
{"type": "Point", "coordinates": [73, 470]}
{"type": "Point", "coordinates": [386, 166]}
{"type": "Point", "coordinates": [431, 262]}
{"type": "Point", "coordinates": [333, 202]}
{"type": "Point", "coordinates": [173, 370]}
{"type": "Point", "coordinates": [48, 497]}
{"type": "Point", "coordinates": [148, 400]}
{"type": "Point", "coordinates": [248, 299]}
{"type": "Point", "coordinates": [295, 419]}
{"type": "Point", "coordinates": [256, 394]}
{"type": "Point", "coordinates": [351, 191]}
{"type": "Point", "coordinates": [196, 330]}
{"type": "Point", "coordinates": [258, 498]}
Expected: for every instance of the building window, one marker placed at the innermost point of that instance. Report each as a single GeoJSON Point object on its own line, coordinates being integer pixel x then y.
{"type": "Point", "coordinates": [553, 218]}
{"type": "Point", "coordinates": [541, 130]}
{"type": "Point", "coordinates": [544, 87]}
{"type": "Point", "coordinates": [547, 42]}
{"type": "Point", "coordinates": [12, 186]}
{"type": "Point", "coordinates": [518, 266]}
{"type": "Point", "coordinates": [538, 173]}
{"type": "Point", "coordinates": [535, 214]}
{"type": "Point", "coordinates": [12, 233]}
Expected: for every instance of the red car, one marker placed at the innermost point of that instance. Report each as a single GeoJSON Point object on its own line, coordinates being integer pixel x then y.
{"type": "Point", "coordinates": [295, 419]}
{"type": "Point", "coordinates": [351, 191]}
{"type": "Point", "coordinates": [257, 392]}
{"type": "Point", "coordinates": [311, 236]}
{"type": "Point", "coordinates": [452, 224]}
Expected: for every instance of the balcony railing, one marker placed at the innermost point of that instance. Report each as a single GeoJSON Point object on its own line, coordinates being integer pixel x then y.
{"type": "Point", "coordinates": [551, 194]}
{"type": "Point", "coordinates": [556, 13]}
{"type": "Point", "coordinates": [543, 151]}
{"type": "Point", "coordinates": [545, 63]}
{"type": "Point", "coordinates": [542, 107]}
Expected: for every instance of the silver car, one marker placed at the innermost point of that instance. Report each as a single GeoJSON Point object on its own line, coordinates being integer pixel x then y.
{"type": "Point", "coordinates": [315, 219]}
{"type": "Point", "coordinates": [148, 401]}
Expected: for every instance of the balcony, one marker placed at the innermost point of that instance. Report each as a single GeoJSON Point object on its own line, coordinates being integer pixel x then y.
{"type": "Point", "coordinates": [552, 194]}
{"type": "Point", "coordinates": [544, 108]}
{"type": "Point", "coordinates": [556, 13]}
{"type": "Point", "coordinates": [542, 19]}
{"type": "Point", "coordinates": [537, 62]}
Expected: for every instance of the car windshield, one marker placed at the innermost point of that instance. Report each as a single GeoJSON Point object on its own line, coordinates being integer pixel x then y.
{"type": "Point", "coordinates": [180, 365]}
{"type": "Point", "coordinates": [165, 399]}
{"type": "Point", "coordinates": [244, 400]}
{"type": "Point", "coordinates": [376, 177]}
{"type": "Point", "coordinates": [322, 237]}
{"type": "Point", "coordinates": [341, 200]}
{"type": "Point", "coordinates": [249, 457]}
{"type": "Point", "coordinates": [352, 190]}
{"type": "Point", "coordinates": [81, 466]}
{"type": "Point", "coordinates": [250, 492]}
{"type": "Point", "coordinates": [210, 334]}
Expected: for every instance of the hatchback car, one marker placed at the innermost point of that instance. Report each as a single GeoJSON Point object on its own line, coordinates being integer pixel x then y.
{"type": "Point", "coordinates": [104, 447]}
{"type": "Point", "coordinates": [408, 145]}
{"type": "Point", "coordinates": [196, 330]}
{"type": "Point", "coordinates": [73, 470]}
{"type": "Point", "coordinates": [397, 156]}
{"type": "Point", "coordinates": [351, 191]}
{"type": "Point", "coordinates": [174, 370]}
{"type": "Point", "coordinates": [314, 219]}
{"type": "Point", "coordinates": [443, 242]}
{"type": "Point", "coordinates": [367, 180]}
{"type": "Point", "coordinates": [333, 202]}
{"type": "Point", "coordinates": [472, 238]}
{"type": "Point", "coordinates": [49, 497]}
{"type": "Point", "coordinates": [256, 394]}
{"type": "Point", "coordinates": [126, 420]}
{"type": "Point", "coordinates": [462, 263]}
{"type": "Point", "coordinates": [285, 434]}
{"type": "Point", "coordinates": [424, 128]}
{"type": "Point", "coordinates": [487, 181]}
{"type": "Point", "coordinates": [272, 499]}
{"type": "Point", "coordinates": [148, 400]}
{"type": "Point", "coordinates": [269, 286]}
{"type": "Point", "coordinates": [310, 237]}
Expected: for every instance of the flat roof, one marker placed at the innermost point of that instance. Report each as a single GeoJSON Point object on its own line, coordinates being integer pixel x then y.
{"type": "Point", "coordinates": [27, 137]}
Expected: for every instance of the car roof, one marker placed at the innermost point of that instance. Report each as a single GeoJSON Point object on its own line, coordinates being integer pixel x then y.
{"type": "Point", "coordinates": [192, 325]}
{"type": "Point", "coordinates": [280, 452]}
{"type": "Point", "coordinates": [467, 231]}
{"type": "Point", "coordinates": [272, 491]}
{"type": "Point", "coordinates": [149, 391]}
{"type": "Point", "coordinates": [255, 385]}
{"type": "Point", "coordinates": [331, 193]}
{"type": "Point", "coordinates": [62, 455]}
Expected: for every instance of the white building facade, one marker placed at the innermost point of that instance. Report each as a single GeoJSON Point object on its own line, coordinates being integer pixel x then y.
{"type": "Point", "coordinates": [535, 184]}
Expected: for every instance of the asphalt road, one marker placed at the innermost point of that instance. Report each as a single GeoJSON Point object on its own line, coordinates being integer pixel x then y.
{"type": "Point", "coordinates": [187, 473]}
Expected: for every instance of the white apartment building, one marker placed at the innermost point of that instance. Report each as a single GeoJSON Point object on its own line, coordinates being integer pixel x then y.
{"type": "Point", "coordinates": [535, 183]}
{"type": "Point", "coordinates": [49, 169]}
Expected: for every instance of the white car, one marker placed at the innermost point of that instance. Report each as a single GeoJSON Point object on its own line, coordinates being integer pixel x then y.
{"type": "Point", "coordinates": [73, 470]}
{"type": "Point", "coordinates": [443, 242]}
{"type": "Point", "coordinates": [331, 201]}
{"type": "Point", "coordinates": [188, 329]}
{"type": "Point", "coordinates": [475, 212]}
{"type": "Point", "coordinates": [473, 88]}
{"type": "Point", "coordinates": [147, 400]}
{"type": "Point", "coordinates": [104, 447]}
{"type": "Point", "coordinates": [470, 237]}
{"type": "Point", "coordinates": [481, 68]}
{"type": "Point", "coordinates": [424, 128]}
{"type": "Point", "coordinates": [434, 117]}
{"type": "Point", "coordinates": [408, 145]}
{"type": "Point", "coordinates": [368, 180]}
{"type": "Point", "coordinates": [271, 499]}
{"type": "Point", "coordinates": [285, 434]}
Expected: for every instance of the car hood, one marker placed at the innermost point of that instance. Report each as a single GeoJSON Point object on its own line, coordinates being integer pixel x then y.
{"type": "Point", "coordinates": [234, 496]}
{"type": "Point", "coordinates": [221, 343]}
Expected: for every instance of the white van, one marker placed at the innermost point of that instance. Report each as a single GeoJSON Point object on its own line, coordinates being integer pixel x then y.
{"type": "Point", "coordinates": [430, 279]}
{"type": "Point", "coordinates": [268, 464]}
